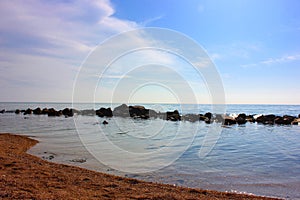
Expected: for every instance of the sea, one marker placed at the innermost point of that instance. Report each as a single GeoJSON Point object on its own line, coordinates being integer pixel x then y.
{"type": "Point", "coordinates": [252, 158]}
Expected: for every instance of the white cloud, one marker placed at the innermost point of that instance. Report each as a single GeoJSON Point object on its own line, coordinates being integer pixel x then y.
{"type": "Point", "coordinates": [43, 43]}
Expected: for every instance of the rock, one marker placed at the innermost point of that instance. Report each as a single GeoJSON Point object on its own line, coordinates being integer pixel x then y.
{"type": "Point", "coordinates": [104, 122]}
{"type": "Point", "coordinates": [53, 113]}
{"type": "Point", "coordinates": [266, 119]}
{"type": "Point", "coordinates": [173, 116]}
{"type": "Point", "coordinates": [2, 111]}
{"type": "Point", "coordinates": [191, 117]}
{"type": "Point", "coordinates": [37, 111]}
{"type": "Point", "coordinates": [17, 111]}
{"type": "Point", "coordinates": [285, 120]}
{"type": "Point", "coordinates": [202, 117]}
{"type": "Point", "coordinates": [250, 118]}
{"type": "Point", "coordinates": [104, 112]}
{"type": "Point", "coordinates": [28, 111]}
{"type": "Point", "coordinates": [121, 111]}
{"type": "Point", "coordinates": [139, 112]}
{"type": "Point", "coordinates": [241, 119]}
{"type": "Point", "coordinates": [229, 121]}
{"type": "Point", "coordinates": [68, 112]}
{"type": "Point", "coordinates": [45, 111]}
{"type": "Point", "coordinates": [208, 115]}
{"type": "Point", "coordinates": [296, 121]}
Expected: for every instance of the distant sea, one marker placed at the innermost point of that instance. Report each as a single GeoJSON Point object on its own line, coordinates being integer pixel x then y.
{"type": "Point", "coordinates": [250, 158]}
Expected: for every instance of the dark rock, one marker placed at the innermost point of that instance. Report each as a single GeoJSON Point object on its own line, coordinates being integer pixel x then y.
{"type": "Point", "coordinates": [2, 111]}
{"type": "Point", "coordinates": [191, 117]}
{"type": "Point", "coordinates": [242, 115]}
{"type": "Point", "coordinates": [202, 117]}
{"type": "Point", "coordinates": [90, 112]}
{"type": "Point", "coordinates": [28, 111]}
{"type": "Point", "coordinates": [104, 122]}
{"type": "Point", "coordinates": [229, 121]}
{"type": "Point", "coordinates": [54, 113]}
{"type": "Point", "coordinates": [241, 119]}
{"type": "Point", "coordinates": [45, 111]}
{"type": "Point", "coordinates": [37, 111]}
{"type": "Point", "coordinates": [173, 116]}
{"type": "Point", "coordinates": [139, 112]}
{"type": "Point", "coordinates": [104, 112]}
{"type": "Point", "coordinates": [208, 115]}
{"type": "Point", "coordinates": [17, 111]}
{"type": "Point", "coordinates": [266, 119]}
{"type": "Point", "coordinates": [285, 120]}
{"type": "Point", "coordinates": [68, 112]}
{"type": "Point", "coordinates": [121, 111]}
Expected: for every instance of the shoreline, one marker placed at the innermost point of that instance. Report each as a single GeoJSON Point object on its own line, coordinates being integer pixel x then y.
{"type": "Point", "coordinates": [25, 176]}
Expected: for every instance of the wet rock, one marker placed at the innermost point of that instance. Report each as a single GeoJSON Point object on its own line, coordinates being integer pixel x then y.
{"type": "Point", "coordinates": [208, 115]}
{"type": "Point", "coordinates": [139, 112]}
{"type": "Point", "coordinates": [241, 119]}
{"type": "Point", "coordinates": [17, 111]}
{"type": "Point", "coordinates": [2, 111]}
{"type": "Point", "coordinates": [67, 112]}
{"type": "Point", "coordinates": [296, 121]}
{"type": "Point", "coordinates": [229, 121]}
{"type": "Point", "coordinates": [37, 111]}
{"type": "Point", "coordinates": [285, 120]}
{"type": "Point", "coordinates": [121, 111]}
{"type": "Point", "coordinates": [28, 111]}
{"type": "Point", "coordinates": [104, 122]}
{"type": "Point", "coordinates": [104, 112]}
{"type": "Point", "coordinates": [266, 119]}
{"type": "Point", "coordinates": [202, 117]}
{"type": "Point", "coordinates": [173, 116]}
{"type": "Point", "coordinates": [45, 111]}
{"type": "Point", "coordinates": [54, 113]}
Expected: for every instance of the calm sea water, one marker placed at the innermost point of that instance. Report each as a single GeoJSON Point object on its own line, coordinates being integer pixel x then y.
{"type": "Point", "coordinates": [253, 158]}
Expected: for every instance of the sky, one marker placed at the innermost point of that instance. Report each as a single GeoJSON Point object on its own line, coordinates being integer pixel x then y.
{"type": "Point", "coordinates": [254, 45]}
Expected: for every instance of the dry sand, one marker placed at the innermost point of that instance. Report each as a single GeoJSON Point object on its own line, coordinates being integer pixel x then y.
{"type": "Point", "coordinates": [23, 176]}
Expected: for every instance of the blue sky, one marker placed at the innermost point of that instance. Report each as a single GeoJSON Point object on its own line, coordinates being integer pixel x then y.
{"type": "Point", "coordinates": [255, 45]}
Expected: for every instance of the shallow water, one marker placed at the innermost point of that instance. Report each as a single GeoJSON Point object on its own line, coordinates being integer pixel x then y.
{"type": "Point", "coordinates": [258, 159]}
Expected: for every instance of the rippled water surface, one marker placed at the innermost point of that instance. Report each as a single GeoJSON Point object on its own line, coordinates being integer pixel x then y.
{"type": "Point", "coordinates": [252, 158]}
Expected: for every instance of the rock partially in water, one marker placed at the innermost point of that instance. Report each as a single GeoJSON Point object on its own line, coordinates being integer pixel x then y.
{"type": "Point", "coordinates": [173, 116]}
{"type": "Point", "coordinates": [139, 112]}
{"type": "Point", "coordinates": [104, 112]}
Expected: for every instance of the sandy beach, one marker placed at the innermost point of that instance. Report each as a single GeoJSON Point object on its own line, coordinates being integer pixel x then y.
{"type": "Point", "coordinates": [23, 176]}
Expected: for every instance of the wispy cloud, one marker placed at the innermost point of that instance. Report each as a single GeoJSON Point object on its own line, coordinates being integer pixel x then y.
{"type": "Point", "coordinates": [271, 61]}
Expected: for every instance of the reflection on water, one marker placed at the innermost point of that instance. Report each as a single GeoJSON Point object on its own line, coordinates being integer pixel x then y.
{"type": "Point", "coordinates": [259, 159]}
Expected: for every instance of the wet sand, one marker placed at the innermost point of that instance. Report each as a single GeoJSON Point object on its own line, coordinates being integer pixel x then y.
{"type": "Point", "coordinates": [24, 176]}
